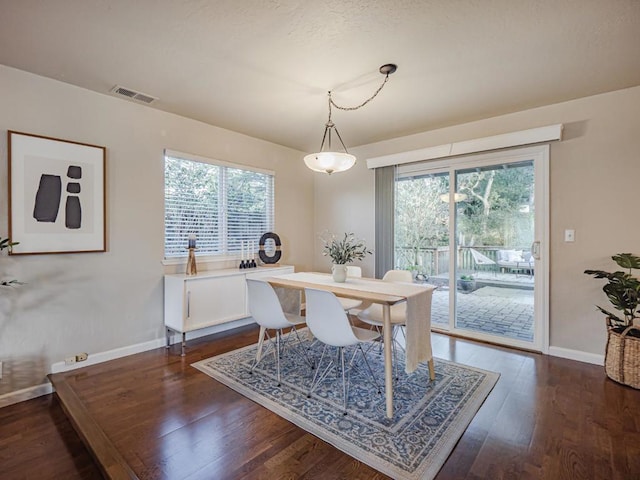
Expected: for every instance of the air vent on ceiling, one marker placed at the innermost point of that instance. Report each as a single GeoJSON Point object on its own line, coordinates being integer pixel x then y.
{"type": "Point", "coordinates": [133, 95]}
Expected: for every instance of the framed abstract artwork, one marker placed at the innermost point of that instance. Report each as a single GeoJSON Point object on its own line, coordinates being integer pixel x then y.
{"type": "Point", "coordinates": [56, 195]}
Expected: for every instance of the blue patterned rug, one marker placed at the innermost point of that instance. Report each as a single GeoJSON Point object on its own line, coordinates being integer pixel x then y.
{"type": "Point", "coordinates": [429, 417]}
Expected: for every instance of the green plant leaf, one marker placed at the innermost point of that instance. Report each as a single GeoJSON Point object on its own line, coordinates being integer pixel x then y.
{"type": "Point", "coordinates": [613, 316]}
{"type": "Point", "coordinates": [345, 250]}
{"type": "Point", "coordinates": [622, 288]}
{"type": "Point", "coordinates": [627, 260]}
{"type": "Point", "coordinates": [7, 243]}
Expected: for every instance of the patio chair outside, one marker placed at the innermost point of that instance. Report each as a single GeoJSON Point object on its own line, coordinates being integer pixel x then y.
{"type": "Point", "coordinates": [482, 261]}
{"type": "Point", "coordinates": [517, 261]}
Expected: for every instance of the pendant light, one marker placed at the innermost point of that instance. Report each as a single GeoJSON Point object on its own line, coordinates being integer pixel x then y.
{"type": "Point", "coordinates": [329, 161]}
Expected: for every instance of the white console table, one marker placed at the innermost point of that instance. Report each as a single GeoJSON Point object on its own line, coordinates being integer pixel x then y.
{"type": "Point", "coordinates": [192, 302]}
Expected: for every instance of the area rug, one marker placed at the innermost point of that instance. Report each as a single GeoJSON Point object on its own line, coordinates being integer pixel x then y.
{"type": "Point", "coordinates": [429, 417]}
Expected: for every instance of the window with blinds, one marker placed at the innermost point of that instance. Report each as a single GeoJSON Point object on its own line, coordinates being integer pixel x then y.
{"type": "Point", "coordinates": [222, 204]}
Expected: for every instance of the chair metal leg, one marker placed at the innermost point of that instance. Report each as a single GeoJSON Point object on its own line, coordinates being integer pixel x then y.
{"type": "Point", "coordinates": [278, 335]}
{"type": "Point", "coordinates": [272, 344]}
{"type": "Point", "coordinates": [395, 346]}
{"type": "Point", "coordinates": [400, 328]}
{"type": "Point", "coordinates": [316, 381]}
{"type": "Point", "coordinates": [260, 343]}
{"type": "Point", "coordinates": [366, 362]}
{"type": "Point", "coordinates": [344, 382]}
{"type": "Point", "coordinates": [301, 352]}
{"type": "Point", "coordinates": [279, 345]}
{"type": "Point", "coordinates": [394, 351]}
{"type": "Point", "coordinates": [343, 370]}
{"type": "Point", "coordinates": [380, 343]}
{"type": "Point", "coordinates": [262, 352]}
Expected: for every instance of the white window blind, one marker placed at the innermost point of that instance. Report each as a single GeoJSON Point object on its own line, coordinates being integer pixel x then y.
{"type": "Point", "coordinates": [222, 204]}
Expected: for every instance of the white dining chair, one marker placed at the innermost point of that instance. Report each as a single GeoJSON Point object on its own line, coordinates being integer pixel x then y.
{"type": "Point", "coordinates": [373, 314]}
{"type": "Point", "coordinates": [266, 310]}
{"type": "Point", "coordinates": [349, 304]}
{"type": "Point", "coordinates": [329, 324]}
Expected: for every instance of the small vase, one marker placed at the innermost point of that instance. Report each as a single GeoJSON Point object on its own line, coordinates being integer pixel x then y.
{"type": "Point", "coordinates": [339, 273]}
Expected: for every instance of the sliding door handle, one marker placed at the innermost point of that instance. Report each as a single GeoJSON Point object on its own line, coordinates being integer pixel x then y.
{"type": "Point", "coordinates": [535, 250]}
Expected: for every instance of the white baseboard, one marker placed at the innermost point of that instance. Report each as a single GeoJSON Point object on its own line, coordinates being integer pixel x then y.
{"type": "Point", "coordinates": [100, 357]}
{"type": "Point", "coordinates": [25, 394]}
{"type": "Point", "coordinates": [46, 388]}
{"type": "Point", "coordinates": [94, 358]}
{"type": "Point", "coordinates": [578, 355]}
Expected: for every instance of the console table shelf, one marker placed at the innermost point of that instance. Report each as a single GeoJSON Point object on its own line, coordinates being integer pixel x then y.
{"type": "Point", "coordinates": [193, 302]}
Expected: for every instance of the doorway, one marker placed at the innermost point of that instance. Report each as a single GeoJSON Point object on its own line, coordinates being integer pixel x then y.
{"type": "Point", "coordinates": [476, 227]}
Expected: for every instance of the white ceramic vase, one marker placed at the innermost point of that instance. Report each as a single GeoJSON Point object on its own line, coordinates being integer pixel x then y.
{"type": "Point", "coordinates": [339, 273]}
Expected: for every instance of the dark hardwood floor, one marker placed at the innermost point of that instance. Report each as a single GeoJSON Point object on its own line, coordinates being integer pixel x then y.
{"type": "Point", "coordinates": [547, 418]}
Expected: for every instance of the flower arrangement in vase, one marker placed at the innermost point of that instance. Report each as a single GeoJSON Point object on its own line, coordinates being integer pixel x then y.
{"type": "Point", "coordinates": [344, 251]}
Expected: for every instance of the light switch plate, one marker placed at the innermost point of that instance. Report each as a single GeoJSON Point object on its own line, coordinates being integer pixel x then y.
{"type": "Point", "coordinates": [569, 235]}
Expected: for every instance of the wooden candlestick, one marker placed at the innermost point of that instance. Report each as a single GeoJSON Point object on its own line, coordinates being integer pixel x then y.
{"type": "Point", "coordinates": [191, 262]}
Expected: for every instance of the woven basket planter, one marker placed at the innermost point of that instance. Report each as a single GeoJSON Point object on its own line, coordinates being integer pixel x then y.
{"type": "Point", "coordinates": [622, 358]}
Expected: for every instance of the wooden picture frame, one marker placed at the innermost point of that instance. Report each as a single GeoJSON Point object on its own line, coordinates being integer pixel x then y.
{"type": "Point", "coordinates": [56, 195]}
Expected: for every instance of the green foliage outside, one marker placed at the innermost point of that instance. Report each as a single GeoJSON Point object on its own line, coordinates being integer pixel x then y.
{"type": "Point", "coordinates": [498, 211]}
{"type": "Point", "coordinates": [223, 206]}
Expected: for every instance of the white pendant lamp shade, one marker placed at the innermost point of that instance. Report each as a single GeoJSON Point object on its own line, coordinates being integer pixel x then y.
{"type": "Point", "coordinates": [329, 162]}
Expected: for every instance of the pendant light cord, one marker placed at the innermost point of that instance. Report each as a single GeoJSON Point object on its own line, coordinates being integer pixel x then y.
{"type": "Point", "coordinates": [331, 102]}
{"type": "Point", "coordinates": [387, 70]}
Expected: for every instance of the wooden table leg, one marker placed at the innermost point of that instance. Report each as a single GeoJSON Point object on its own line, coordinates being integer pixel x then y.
{"type": "Point", "coordinates": [388, 361]}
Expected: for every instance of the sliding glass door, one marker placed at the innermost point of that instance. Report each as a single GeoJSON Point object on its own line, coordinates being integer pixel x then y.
{"type": "Point", "coordinates": [475, 227]}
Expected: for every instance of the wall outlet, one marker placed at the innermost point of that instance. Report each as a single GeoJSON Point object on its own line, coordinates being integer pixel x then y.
{"type": "Point", "coordinates": [70, 360]}
{"type": "Point", "coordinates": [81, 357]}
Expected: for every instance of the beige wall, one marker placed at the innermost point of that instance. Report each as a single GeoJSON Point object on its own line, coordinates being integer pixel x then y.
{"type": "Point", "coordinates": [594, 189]}
{"type": "Point", "coordinates": [344, 203]}
{"type": "Point", "coordinates": [98, 302]}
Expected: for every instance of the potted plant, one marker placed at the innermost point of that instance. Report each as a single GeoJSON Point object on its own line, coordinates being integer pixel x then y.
{"type": "Point", "coordinates": [5, 243]}
{"type": "Point", "coordinates": [342, 252]}
{"type": "Point", "coordinates": [466, 283]}
{"type": "Point", "coordinates": [622, 355]}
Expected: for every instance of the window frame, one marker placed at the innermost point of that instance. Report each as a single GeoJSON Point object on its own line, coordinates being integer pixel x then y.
{"type": "Point", "coordinates": [227, 255]}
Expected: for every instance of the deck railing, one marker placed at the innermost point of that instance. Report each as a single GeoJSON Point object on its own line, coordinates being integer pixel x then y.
{"type": "Point", "coordinates": [435, 260]}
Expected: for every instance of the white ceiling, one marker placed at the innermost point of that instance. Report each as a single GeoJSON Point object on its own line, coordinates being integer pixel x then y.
{"type": "Point", "coordinates": [263, 67]}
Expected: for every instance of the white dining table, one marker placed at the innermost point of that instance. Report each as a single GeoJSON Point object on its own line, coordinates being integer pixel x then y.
{"type": "Point", "coordinates": [418, 298]}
